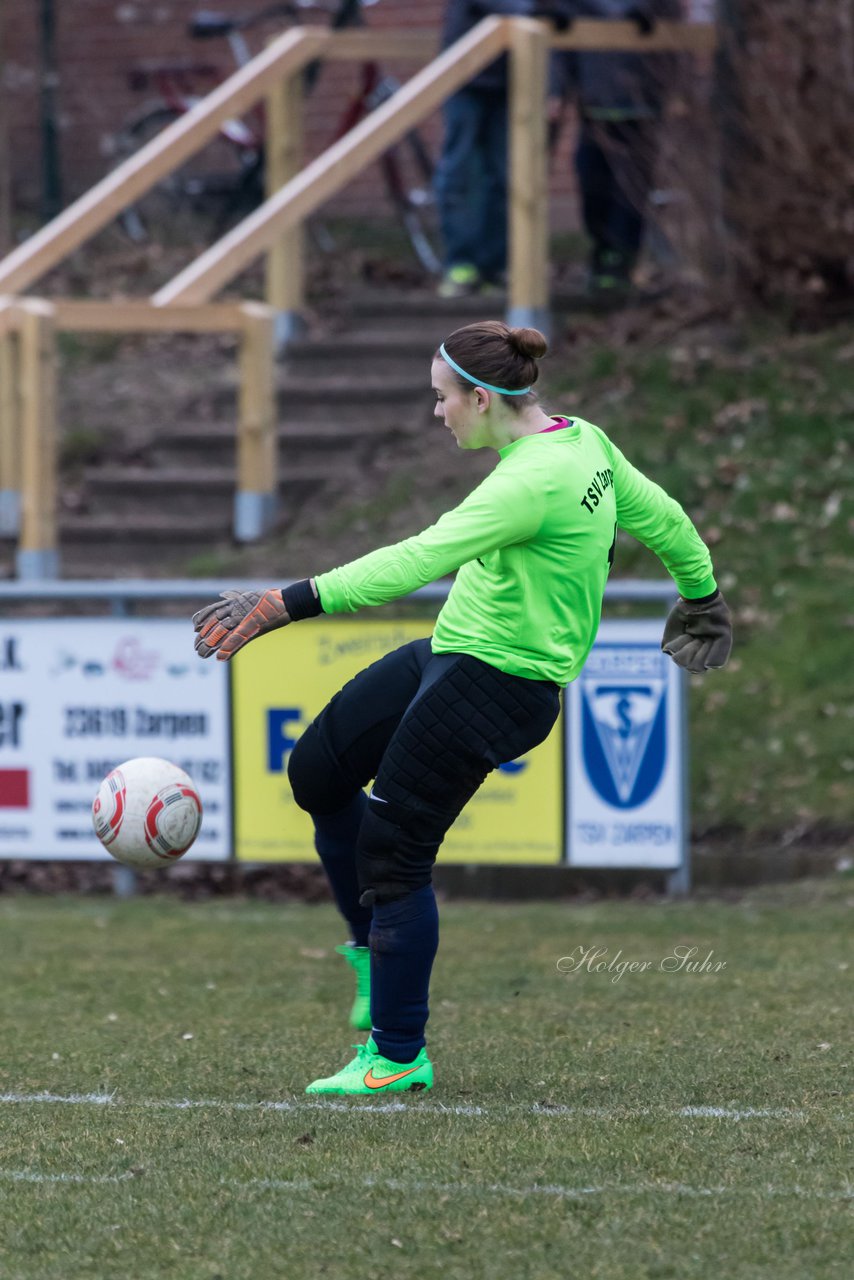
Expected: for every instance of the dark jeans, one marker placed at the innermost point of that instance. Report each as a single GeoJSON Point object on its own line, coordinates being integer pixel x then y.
{"type": "Point", "coordinates": [471, 181]}
{"type": "Point", "coordinates": [615, 162]}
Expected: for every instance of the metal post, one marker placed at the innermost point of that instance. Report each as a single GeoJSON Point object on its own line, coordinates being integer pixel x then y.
{"type": "Point", "coordinates": [255, 501]}
{"type": "Point", "coordinates": [679, 881]}
{"type": "Point", "coordinates": [124, 881]}
{"type": "Point", "coordinates": [5, 156]}
{"type": "Point", "coordinates": [10, 418]}
{"type": "Point", "coordinates": [51, 179]}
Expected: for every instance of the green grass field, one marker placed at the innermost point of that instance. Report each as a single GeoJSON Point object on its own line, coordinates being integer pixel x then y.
{"type": "Point", "coordinates": [657, 1124]}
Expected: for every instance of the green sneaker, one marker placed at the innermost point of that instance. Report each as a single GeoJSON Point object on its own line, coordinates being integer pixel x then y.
{"type": "Point", "coordinates": [370, 1072]}
{"type": "Point", "coordinates": [459, 281]}
{"type": "Point", "coordinates": [359, 960]}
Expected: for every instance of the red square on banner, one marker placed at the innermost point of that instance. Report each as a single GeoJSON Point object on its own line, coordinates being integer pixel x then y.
{"type": "Point", "coordinates": [14, 788]}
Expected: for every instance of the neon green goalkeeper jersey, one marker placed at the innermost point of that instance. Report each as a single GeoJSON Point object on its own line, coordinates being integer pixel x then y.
{"type": "Point", "coordinates": [533, 545]}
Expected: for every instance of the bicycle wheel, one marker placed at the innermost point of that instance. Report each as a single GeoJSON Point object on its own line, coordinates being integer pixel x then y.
{"type": "Point", "coordinates": [198, 202]}
{"type": "Point", "coordinates": [407, 170]}
{"type": "Point", "coordinates": [413, 200]}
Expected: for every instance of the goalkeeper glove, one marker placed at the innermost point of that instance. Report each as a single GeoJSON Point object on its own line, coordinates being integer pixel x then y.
{"type": "Point", "coordinates": [235, 619]}
{"type": "Point", "coordinates": [698, 633]}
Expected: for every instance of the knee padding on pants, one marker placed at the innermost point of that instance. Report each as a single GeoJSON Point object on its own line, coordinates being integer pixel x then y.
{"type": "Point", "coordinates": [396, 850]}
{"type": "Point", "coordinates": [318, 783]}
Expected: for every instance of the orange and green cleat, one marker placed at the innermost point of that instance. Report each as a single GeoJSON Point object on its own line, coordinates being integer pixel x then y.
{"type": "Point", "coordinates": [370, 1072]}
{"type": "Point", "coordinates": [359, 960]}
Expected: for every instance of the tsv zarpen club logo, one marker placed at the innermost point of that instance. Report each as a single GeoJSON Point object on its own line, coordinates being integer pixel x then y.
{"type": "Point", "coordinates": [624, 724]}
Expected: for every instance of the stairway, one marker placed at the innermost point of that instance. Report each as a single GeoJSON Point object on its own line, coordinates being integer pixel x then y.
{"type": "Point", "coordinates": [344, 391]}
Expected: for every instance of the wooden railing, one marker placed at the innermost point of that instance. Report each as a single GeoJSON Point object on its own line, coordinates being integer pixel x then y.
{"type": "Point", "coordinates": [274, 74]}
{"type": "Point", "coordinates": [28, 436]}
{"type": "Point", "coordinates": [281, 62]}
{"type": "Point", "coordinates": [528, 43]}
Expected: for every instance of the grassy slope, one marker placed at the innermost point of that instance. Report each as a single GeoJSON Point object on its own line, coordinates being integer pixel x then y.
{"type": "Point", "coordinates": [754, 436]}
{"type": "Point", "coordinates": [236, 1003]}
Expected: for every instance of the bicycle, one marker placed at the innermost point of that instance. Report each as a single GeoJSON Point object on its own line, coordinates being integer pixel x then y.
{"type": "Point", "coordinates": [225, 180]}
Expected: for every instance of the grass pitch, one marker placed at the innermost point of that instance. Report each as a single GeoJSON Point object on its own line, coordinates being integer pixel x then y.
{"type": "Point", "coordinates": [610, 1123]}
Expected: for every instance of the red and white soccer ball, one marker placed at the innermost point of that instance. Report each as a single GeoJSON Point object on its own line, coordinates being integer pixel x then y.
{"type": "Point", "coordinates": [147, 812]}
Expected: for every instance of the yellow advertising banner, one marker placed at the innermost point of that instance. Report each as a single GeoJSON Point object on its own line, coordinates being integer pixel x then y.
{"type": "Point", "coordinates": [281, 684]}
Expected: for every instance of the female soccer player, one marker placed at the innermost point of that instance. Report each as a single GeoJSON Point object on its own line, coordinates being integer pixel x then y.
{"type": "Point", "coordinates": [533, 545]}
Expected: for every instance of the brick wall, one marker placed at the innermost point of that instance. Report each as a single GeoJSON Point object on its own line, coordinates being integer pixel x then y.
{"type": "Point", "coordinates": [98, 42]}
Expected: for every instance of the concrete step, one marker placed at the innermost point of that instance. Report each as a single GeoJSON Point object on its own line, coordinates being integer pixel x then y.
{"type": "Point", "coordinates": [140, 545]}
{"type": "Point", "coordinates": [362, 355]}
{"type": "Point", "coordinates": [374, 303]}
{"type": "Point", "coordinates": [138, 531]}
{"type": "Point", "coordinates": [424, 316]}
{"type": "Point", "coordinates": [198, 492]}
{"type": "Point", "coordinates": [303, 442]}
{"type": "Point", "coordinates": [423, 304]}
{"type": "Point", "coordinates": [344, 392]}
{"type": "Point", "coordinates": [329, 396]}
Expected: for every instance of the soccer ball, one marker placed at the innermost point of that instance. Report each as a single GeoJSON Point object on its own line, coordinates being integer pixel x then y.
{"type": "Point", "coordinates": [147, 812]}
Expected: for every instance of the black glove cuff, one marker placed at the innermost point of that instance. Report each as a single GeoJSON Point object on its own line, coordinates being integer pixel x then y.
{"type": "Point", "coordinates": [702, 599]}
{"type": "Point", "coordinates": [300, 601]}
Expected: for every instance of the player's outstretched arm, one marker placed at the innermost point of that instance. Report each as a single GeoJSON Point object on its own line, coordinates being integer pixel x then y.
{"type": "Point", "coordinates": [698, 633]}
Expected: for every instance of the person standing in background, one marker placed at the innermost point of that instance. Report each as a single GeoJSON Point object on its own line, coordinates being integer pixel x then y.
{"type": "Point", "coordinates": [471, 176]}
{"type": "Point", "coordinates": [620, 98]}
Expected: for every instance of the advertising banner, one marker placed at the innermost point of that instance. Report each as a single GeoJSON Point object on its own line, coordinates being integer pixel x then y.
{"type": "Point", "coordinates": [516, 817]}
{"type": "Point", "coordinates": [79, 696]}
{"type": "Point", "coordinates": [624, 752]}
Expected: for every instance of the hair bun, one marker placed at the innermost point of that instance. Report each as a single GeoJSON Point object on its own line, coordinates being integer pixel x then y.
{"type": "Point", "coordinates": [528, 342]}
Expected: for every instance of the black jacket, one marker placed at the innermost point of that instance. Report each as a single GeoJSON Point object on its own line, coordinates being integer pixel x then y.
{"type": "Point", "coordinates": [462, 15]}
{"type": "Point", "coordinates": [618, 86]}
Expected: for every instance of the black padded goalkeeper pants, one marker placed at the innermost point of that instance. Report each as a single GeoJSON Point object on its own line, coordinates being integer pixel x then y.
{"type": "Point", "coordinates": [427, 729]}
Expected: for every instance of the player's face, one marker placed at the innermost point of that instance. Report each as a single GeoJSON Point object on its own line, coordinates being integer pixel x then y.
{"type": "Point", "coordinates": [460, 410]}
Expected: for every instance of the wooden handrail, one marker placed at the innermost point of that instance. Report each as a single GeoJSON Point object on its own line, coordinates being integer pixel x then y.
{"type": "Point", "coordinates": [420, 96]}
{"type": "Point", "coordinates": [284, 57]}
{"type": "Point", "coordinates": [344, 46]}
{"type": "Point", "coordinates": [160, 157]}
{"type": "Point", "coordinates": [83, 315]}
{"type": "Point", "coordinates": [28, 435]}
{"type": "Point", "coordinates": [598, 34]}
{"type": "Point", "coordinates": [325, 176]}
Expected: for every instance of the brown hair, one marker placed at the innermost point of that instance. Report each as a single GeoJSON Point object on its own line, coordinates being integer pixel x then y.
{"type": "Point", "coordinates": [500, 355]}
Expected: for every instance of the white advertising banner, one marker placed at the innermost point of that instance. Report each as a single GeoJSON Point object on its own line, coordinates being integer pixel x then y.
{"type": "Point", "coordinates": [79, 696]}
{"type": "Point", "coordinates": [625, 799]}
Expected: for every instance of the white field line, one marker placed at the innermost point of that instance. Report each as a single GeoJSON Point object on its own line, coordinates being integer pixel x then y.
{"type": "Point", "coordinates": [106, 914]}
{"type": "Point", "coordinates": [412, 1108]}
{"type": "Point", "coordinates": [84, 1179]}
{"type": "Point", "coordinates": [553, 1190]}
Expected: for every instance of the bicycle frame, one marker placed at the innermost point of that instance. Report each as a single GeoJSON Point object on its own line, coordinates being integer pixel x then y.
{"type": "Point", "coordinates": [178, 94]}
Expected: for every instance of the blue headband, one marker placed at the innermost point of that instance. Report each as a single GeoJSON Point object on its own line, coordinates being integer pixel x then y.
{"type": "Point", "coordinates": [487, 386]}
